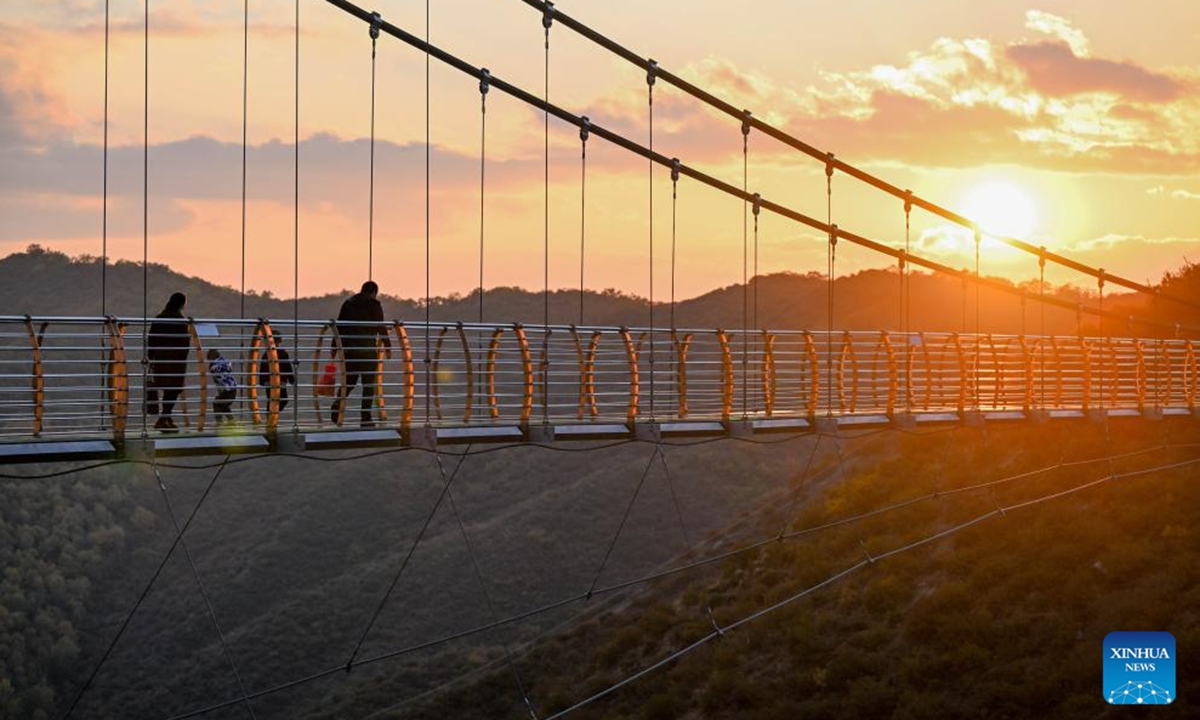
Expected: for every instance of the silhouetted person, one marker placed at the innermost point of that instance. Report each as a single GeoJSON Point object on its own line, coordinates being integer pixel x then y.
{"type": "Point", "coordinates": [287, 374]}
{"type": "Point", "coordinates": [167, 350]}
{"type": "Point", "coordinates": [221, 372]}
{"type": "Point", "coordinates": [360, 345]}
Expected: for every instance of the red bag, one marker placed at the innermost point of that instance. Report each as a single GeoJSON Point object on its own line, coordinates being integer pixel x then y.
{"type": "Point", "coordinates": [328, 380]}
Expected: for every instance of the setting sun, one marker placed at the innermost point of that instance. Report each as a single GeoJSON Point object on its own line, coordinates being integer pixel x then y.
{"type": "Point", "coordinates": [1001, 208]}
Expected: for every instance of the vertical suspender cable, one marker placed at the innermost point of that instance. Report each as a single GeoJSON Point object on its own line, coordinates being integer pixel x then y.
{"type": "Point", "coordinates": [104, 211]}
{"type": "Point", "coordinates": [831, 268]}
{"type": "Point", "coordinates": [975, 382]}
{"type": "Point", "coordinates": [1042, 319]}
{"type": "Point", "coordinates": [484, 83]}
{"type": "Point", "coordinates": [296, 222]}
{"type": "Point", "coordinates": [428, 360]}
{"type": "Point", "coordinates": [547, 21]}
{"type": "Point", "coordinates": [376, 20]}
{"type": "Point", "coordinates": [245, 124]}
{"type": "Point", "coordinates": [755, 277]}
{"type": "Point", "coordinates": [745, 266]}
{"type": "Point", "coordinates": [906, 300]}
{"type": "Point", "coordinates": [650, 73]}
{"type": "Point", "coordinates": [584, 133]}
{"type": "Point", "coordinates": [145, 203]}
{"type": "Point", "coordinates": [674, 206]}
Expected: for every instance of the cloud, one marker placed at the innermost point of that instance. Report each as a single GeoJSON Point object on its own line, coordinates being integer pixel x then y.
{"type": "Point", "coordinates": [1180, 194]}
{"type": "Point", "coordinates": [1053, 69]}
{"type": "Point", "coordinates": [1059, 28]}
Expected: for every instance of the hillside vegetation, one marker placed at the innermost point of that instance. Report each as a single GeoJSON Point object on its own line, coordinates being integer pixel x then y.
{"type": "Point", "coordinates": [40, 282]}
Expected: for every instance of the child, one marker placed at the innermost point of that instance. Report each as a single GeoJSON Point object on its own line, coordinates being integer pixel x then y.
{"type": "Point", "coordinates": [222, 375]}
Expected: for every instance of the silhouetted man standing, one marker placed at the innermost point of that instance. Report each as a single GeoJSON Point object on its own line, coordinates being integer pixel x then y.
{"type": "Point", "coordinates": [361, 327]}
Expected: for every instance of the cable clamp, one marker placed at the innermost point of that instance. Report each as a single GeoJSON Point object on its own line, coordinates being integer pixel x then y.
{"type": "Point", "coordinates": [548, 16]}
{"type": "Point", "coordinates": [829, 157]}
{"type": "Point", "coordinates": [903, 258]}
{"type": "Point", "coordinates": [713, 620]}
{"type": "Point", "coordinates": [1100, 279]}
{"type": "Point", "coordinates": [651, 72]}
{"type": "Point", "coordinates": [1042, 256]}
{"type": "Point", "coordinates": [863, 545]}
{"type": "Point", "coordinates": [833, 235]}
{"type": "Point", "coordinates": [757, 200]}
{"type": "Point", "coordinates": [675, 169]}
{"type": "Point", "coordinates": [907, 202]}
{"type": "Point", "coordinates": [585, 128]}
{"type": "Point", "coordinates": [485, 81]}
{"type": "Point", "coordinates": [978, 237]}
{"type": "Point", "coordinates": [746, 116]}
{"type": "Point", "coordinates": [376, 24]}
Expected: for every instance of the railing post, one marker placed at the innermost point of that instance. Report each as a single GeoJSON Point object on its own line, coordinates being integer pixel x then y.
{"type": "Point", "coordinates": [726, 376]}
{"type": "Point", "coordinates": [117, 380]}
{"type": "Point", "coordinates": [768, 373]}
{"type": "Point", "coordinates": [847, 351]}
{"type": "Point", "coordinates": [814, 381]}
{"type": "Point", "coordinates": [37, 379]}
{"type": "Point", "coordinates": [631, 356]}
{"type": "Point", "coordinates": [527, 366]}
{"type": "Point", "coordinates": [493, 353]}
{"type": "Point", "coordinates": [470, 399]}
{"type": "Point", "coordinates": [1027, 367]}
{"type": "Point", "coordinates": [435, 366]}
{"type": "Point", "coordinates": [961, 404]}
{"type": "Point", "coordinates": [1140, 378]}
{"type": "Point", "coordinates": [410, 375]}
{"type": "Point", "coordinates": [202, 372]}
{"type": "Point", "coordinates": [681, 378]}
{"type": "Point", "coordinates": [893, 373]}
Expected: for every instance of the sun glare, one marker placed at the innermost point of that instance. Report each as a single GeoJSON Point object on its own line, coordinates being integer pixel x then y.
{"type": "Point", "coordinates": [1001, 208]}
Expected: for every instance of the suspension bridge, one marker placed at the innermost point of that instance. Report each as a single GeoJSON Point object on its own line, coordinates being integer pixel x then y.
{"type": "Point", "coordinates": [76, 387]}
{"type": "Point", "coordinates": [81, 388]}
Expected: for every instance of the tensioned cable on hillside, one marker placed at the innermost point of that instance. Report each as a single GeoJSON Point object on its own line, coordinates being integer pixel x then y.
{"type": "Point", "coordinates": [412, 549]}
{"type": "Point", "coordinates": [146, 591]}
{"type": "Point", "coordinates": [720, 631]}
{"type": "Point", "coordinates": [876, 182]}
{"type": "Point", "coordinates": [212, 613]}
{"type": "Point", "coordinates": [318, 675]}
{"type": "Point", "coordinates": [779, 209]}
{"type": "Point", "coordinates": [479, 579]}
{"type": "Point", "coordinates": [624, 518]}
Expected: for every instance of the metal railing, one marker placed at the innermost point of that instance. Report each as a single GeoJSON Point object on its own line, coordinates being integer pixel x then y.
{"type": "Point", "coordinates": [88, 377]}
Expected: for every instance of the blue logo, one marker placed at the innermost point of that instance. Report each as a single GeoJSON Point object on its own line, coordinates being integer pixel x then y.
{"type": "Point", "coordinates": [1139, 668]}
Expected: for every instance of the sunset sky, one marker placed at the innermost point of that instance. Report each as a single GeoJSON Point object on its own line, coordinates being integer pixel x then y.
{"type": "Point", "coordinates": [1069, 122]}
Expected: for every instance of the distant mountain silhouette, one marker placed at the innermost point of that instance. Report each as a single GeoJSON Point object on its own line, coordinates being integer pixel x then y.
{"type": "Point", "coordinates": [43, 282]}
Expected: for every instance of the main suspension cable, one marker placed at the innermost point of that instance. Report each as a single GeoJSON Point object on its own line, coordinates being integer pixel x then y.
{"type": "Point", "coordinates": [845, 167]}
{"type": "Point", "coordinates": [542, 104]}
